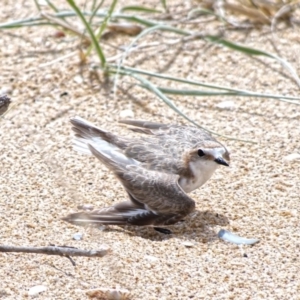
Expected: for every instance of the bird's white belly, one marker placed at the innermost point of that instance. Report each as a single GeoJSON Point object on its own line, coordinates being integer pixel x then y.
{"type": "Point", "coordinates": [201, 174]}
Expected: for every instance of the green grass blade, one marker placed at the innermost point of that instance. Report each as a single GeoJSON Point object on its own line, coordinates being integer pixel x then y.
{"type": "Point", "coordinates": [164, 4]}
{"type": "Point", "coordinates": [171, 104]}
{"type": "Point", "coordinates": [253, 51]}
{"type": "Point", "coordinates": [199, 83]}
{"type": "Point", "coordinates": [95, 9]}
{"type": "Point", "coordinates": [36, 2]}
{"type": "Point", "coordinates": [13, 25]}
{"type": "Point", "coordinates": [147, 84]}
{"type": "Point", "coordinates": [103, 25]}
{"type": "Point", "coordinates": [107, 18]}
{"type": "Point", "coordinates": [52, 6]}
{"type": "Point", "coordinates": [91, 33]}
{"type": "Point", "coordinates": [140, 9]}
{"type": "Point", "coordinates": [200, 93]}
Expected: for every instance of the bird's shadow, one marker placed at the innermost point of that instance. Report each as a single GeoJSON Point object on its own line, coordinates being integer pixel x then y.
{"type": "Point", "coordinates": [198, 225]}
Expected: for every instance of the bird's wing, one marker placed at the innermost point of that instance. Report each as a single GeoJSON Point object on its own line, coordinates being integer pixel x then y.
{"type": "Point", "coordinates": [144, 124]}
{"type": "Point", "coordinates": [146, 150]}
{"type": "Point", "coordinates": [4, 104]}
{"type": "Point", "coordinates": [155, 198]}
{"type": "Point", "coordinates": [157, 191]}
{"type": "Point", "coordinates": [124, 213]}
{"type": "Point", "coordinates": [163, 149]}
{"type": "Point", "coordinates": [186, 135]}
{"type": "Point", "coordinates": [86, 132]}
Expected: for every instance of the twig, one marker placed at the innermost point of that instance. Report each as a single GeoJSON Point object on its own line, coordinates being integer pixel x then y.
{"type": "Point", "coordinates": [55, 250]}
{"type": "Point", "coordinates": [56, 268]}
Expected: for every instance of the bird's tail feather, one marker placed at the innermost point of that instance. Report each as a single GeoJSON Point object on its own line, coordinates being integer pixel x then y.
{"type": "Point", "coordinates": [86, 133]}
{"type": "Point", "coordinates": [93, 218]}
{"type": "Point", "coordinates": [113, 159]}
{"type": "Point", "coordinates": [143, 124]}
{"type": "Point", "coordinates": [125, 213]}
{"type": "Point", "coordinates": [85, 129]}
{"type": "Point", "coordinates": [82, 145]}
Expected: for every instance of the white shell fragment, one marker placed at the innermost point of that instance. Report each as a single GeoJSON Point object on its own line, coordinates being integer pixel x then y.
{"type": "Point", "coordinates": [126, 113]}
{"type": "Point", "coordinates": [36, 290]}
{"type": "Point", "coordinates": [292, 156]}
{"type": "Point", "coordinates": [233, 238]}
{"type": "Point", "coordinates": [226, 105]}
{"type": "Point", "coordinates": [78, 79]}
{"type": "Point", "coordinates": [151, 258]}
{"type": "Point", "coordinates": [86, 207]}
{"type": "Point", "coordinates": [77, 236]}
{"type": "Point", "coordinates": [188, 244]}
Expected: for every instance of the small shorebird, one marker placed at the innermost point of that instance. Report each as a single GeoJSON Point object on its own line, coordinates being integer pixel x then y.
{"type": "Point", "coordinates": [189, 152]}
{"type": "Point", "coordinates": [4, 103]}
{"type": "Point", "coordinates": [155, 197]}
{"type": "Point", "coordinates": [156, 170]}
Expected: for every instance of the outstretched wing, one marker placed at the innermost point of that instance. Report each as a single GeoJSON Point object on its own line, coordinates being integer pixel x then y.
{"type": "Point", "coordinates": [157, 191]}
{"type": "Point", "coordinates": [163, 149]}
{"type": "Point", "coordinates": [149, 150]}
{"type": "Point", "coordinates": [124, 213]}
{"type": "Point", "coordinates": [155, 197]}
{"type": "Point", "coordinates": [189, 136]}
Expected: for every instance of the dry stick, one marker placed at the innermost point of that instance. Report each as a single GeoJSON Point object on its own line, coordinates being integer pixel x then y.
{"type": "Point", "coordinates": [55, 250]}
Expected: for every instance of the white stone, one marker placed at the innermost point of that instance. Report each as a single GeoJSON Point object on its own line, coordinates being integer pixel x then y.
{"type": "Point", "coordinates": [226, 105]}
{"type": "Point", "coordinates": [292, 156]}
{"type": "Point", "coordinates": [126, 113]}
{"type": "Point", "coordinates": [78, 79]}
{"type": "Point", "coordinates": [187, 244]}
{"type": "Point", "coordinates": [36, 290]}
{"type": "Point", "coordinates": [151, 258]}
{"type": "Point", "coordinates": [78, 236]}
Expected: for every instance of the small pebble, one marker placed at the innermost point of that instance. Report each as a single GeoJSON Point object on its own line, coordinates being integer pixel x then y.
{"type": "Point", "coordinates": [78, 236]}
{"type": "Point", "coordinates": [226, 105]}
{"type": "Point", "coordinates": [109, 294]}
{"type": "Point", "coordinates": [293, 156]}
{"type": "Point", "coordinates": [126, 28]}
{"type": "Point", "coordinates": [188, 244]}
{"type": "Point", "coordinates": [86, 206]}
{"type": "Point", "coordinates": [36, 290]}
{"type": "Point", "coordinates": [126, 113]}
{"type": "Point", "coordinates": [151, 258]}
{"type": "Point", "coordinates": [78, 79]}
{"type": "Point", "coordinates": [228, 236]}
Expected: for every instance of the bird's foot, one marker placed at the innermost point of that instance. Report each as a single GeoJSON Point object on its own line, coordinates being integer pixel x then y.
{"type": "Point", "coordinates": [163, 230]}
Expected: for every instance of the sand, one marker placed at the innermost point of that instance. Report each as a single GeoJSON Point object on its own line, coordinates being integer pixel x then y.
{"type": "Point", "coordinates": [43, 179]}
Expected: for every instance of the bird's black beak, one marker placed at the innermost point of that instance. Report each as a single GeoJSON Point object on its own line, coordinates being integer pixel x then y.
{"type": "Point", "coordinates": [221, 161]}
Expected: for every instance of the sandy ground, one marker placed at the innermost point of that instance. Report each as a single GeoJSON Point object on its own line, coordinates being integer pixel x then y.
{"type": "Point", "coordinates": [43, 179]}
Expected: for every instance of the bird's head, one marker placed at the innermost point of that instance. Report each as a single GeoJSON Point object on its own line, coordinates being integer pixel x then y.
{"type": "Point", "coordinates": [211, 151]}
{"type": "Point", "coordinates": [209, 154]}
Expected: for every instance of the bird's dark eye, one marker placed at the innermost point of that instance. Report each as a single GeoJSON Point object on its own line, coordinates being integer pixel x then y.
{"type": "Point", "coordinates": [201, 153]}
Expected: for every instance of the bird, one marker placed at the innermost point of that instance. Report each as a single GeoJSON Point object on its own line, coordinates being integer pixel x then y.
{"type": "Point", "coordinates": [4, 104]}
{"type": "Point", "coordinates": [190, 152]}
{"type": "Point", "coordinates": [157, 170]}
{"type": "Point", "coordinates": [155, 198]}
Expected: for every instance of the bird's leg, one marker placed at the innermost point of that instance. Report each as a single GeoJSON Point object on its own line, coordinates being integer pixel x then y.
{"type": "Point", "coordinates": [163, 230]}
